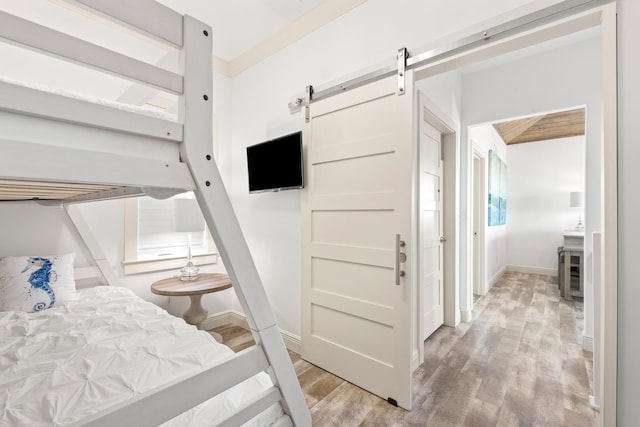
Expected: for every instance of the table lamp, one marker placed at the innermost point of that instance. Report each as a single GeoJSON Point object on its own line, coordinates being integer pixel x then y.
{"type": "Point", "coordinates": [188, 219]}
{"type": "Point", "coordinates": [576, 200]}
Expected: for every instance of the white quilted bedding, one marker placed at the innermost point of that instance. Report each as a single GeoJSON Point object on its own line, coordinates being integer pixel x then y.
{"type": "Point", "coordinates": [60, 365]}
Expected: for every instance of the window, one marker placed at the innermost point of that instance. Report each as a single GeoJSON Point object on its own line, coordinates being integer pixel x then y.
{"type": "Point", "coordinates": [151, 244]}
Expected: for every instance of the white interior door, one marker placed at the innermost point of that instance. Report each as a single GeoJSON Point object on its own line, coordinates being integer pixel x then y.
{"type": "Point", "coordinates": [431, 229]}
{"type": "Point", "coordinates": [478, 224]}
{"type": "Point", "coordinates": [356, 307]}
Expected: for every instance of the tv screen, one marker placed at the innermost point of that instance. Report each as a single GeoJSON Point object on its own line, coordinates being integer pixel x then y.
{"type": "Point", "coordinates": [276, 164]}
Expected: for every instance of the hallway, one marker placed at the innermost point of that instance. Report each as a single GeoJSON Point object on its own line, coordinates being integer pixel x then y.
{"type": "Point", "coordinates": [520, 362]}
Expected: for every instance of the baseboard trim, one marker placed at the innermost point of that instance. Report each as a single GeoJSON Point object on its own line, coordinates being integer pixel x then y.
{"type": "Point", "coordinates": [223, 318]}
{"type": "Point", "coordinates": [494, 279]}
{"type": "Point", "coordinates": [415, 360]}
{"type": "Point", "coordinates": [593, 404]}
{"type": "Point", "coordinates": [532, 270]}
{"type": "Point", "coordinates": [291, 341]}
{"type": "Point", "coordinates": [587, 343]}
{"type": "Point", "coordinates": [466, 315]}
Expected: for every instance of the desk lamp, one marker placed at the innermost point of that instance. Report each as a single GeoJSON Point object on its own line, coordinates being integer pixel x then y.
{"type": "Point", "coordinates": [577, 201]}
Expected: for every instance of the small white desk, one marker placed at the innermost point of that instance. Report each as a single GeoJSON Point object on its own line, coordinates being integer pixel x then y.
{"type": "Point", "coordinates": [573, 250]}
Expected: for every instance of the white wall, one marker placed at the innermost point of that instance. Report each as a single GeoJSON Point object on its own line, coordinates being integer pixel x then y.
{"type": "Point", "coordinates": [485, 138]}
{"type": "Point", "coordinates": [628, 212]}
{"type": "Point", "coordinates": [562, 78]}
{"type": "Point", "coordinates": [445, 91]}
{"type": "Point", "coordinates": [363, 37]}
{"type": "Point", "coordinates": [540, 177]}
{"type": "Point", "coordinates": [27, 229]}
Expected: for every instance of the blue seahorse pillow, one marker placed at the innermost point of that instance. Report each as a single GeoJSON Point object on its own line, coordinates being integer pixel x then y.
{"type": "Point", "coordinates": [34, 283]}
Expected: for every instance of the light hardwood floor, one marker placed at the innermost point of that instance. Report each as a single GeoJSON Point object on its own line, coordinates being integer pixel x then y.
{"type": "Point", "coordinates": [519, 363]}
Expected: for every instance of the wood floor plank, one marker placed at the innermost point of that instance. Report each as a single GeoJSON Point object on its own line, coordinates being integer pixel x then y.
{"type": "Point", "coordinates": [548, 401]}
{"type": "Point", "coordinates": [454, 410]}
{"type": "Point", "coordinates": [317, 383]}
{"type": "Point", "coordinates": [575, 419]}
{"type": "Point", "coordinates": [347, 405]}
{"type": "Point", "coordinates": [481, 414]}
{"type": "Point", "coordinates": [520, 362]}
{"type": "Point", "coordinates": [383, 415]}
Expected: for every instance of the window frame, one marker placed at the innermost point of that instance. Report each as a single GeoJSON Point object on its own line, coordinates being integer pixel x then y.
{"type": "Point", "coordinates": [133, 265]}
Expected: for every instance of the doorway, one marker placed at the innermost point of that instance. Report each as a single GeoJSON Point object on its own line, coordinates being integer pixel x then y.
{"type": "Point", "coordinates": [603, 20]}
{"type": "Point", "coordinates": [437, 230]}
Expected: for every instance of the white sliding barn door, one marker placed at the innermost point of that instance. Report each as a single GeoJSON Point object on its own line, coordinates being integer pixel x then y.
{"type": "Point", "coordinates": [431, 232]}
{"type": "Point", "coordinates": [356, 305]}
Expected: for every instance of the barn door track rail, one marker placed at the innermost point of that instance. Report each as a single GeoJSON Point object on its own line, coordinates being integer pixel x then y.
{"type": "Point", "coordinates": [405, 61]}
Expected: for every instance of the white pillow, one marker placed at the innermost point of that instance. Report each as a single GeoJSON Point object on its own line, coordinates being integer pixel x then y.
{"type": "Point", "coordinates": [34, 283]}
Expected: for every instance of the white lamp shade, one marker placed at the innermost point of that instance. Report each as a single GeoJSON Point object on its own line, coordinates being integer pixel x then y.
{"type": "Point", "coordinates": [187, 216]}
{"type": "Point", "coordinates": [576, 199]}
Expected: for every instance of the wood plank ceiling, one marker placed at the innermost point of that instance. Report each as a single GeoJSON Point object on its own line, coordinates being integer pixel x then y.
{"type": "Point", "coordinates": [547, 126]}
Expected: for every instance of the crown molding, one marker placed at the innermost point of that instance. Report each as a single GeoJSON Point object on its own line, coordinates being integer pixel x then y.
{"type": "Point", "coordinates": [221, 66]}
{"type": "Point", "coordinates": [326, 12]}
{"type": "Point", "coordinates": [306, 24]}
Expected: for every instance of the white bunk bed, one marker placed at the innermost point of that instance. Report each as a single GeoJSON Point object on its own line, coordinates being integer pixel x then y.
{"type": "Point", "coordinates": [60, 149]}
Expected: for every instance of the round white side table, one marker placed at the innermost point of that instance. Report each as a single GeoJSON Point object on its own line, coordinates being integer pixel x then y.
{"type": "Point", "coordinates": [205, 283]}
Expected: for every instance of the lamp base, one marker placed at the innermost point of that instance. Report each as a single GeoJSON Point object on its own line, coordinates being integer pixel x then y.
{"type": "Point", "coordinates": [580, 226]}
{"type": "Point", "coordinates": [189, 272]}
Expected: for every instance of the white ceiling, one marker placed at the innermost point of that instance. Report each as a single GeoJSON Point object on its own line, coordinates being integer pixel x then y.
{"type": "Point", "coordinates": [239, 25]}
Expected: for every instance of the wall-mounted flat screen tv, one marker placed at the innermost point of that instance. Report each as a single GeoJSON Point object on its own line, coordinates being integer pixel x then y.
{"type": "Point", "coordinates": [276, 164]}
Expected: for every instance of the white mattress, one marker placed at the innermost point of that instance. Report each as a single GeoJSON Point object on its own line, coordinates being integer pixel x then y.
{"type": "Point", "coordinates": [63, 364]}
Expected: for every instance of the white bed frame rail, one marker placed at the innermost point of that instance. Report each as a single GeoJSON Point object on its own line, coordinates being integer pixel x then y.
{"type": "Point", "coordinates": [184, 394]}
{"type": "Point", "coordinates": [193, 169]}
{"type": "Point", "coordinates": [32, 160]}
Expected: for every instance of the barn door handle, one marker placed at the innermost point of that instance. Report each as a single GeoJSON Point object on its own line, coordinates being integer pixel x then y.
{"type": "Point", "coordinates": [400, 257]}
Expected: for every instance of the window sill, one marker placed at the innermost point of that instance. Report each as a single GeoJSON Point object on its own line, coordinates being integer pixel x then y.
{"type": "Point", "coordinates": [147, 266]}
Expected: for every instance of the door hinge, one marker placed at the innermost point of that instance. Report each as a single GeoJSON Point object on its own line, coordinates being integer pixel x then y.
{"type": "Point", "coordinates": [403, 54]}
{"type": "Point", "coordinates": [441, 148]}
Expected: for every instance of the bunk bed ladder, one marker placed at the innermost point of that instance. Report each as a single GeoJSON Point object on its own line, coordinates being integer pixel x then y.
{"type": "Point", "coordinates": [196, 151]}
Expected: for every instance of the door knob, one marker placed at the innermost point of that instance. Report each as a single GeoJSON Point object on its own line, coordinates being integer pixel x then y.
{"type": "Point", "coordinates": [442, 239]}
